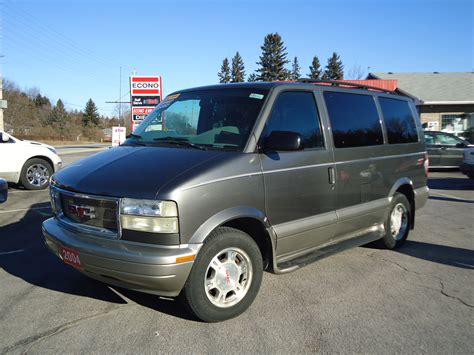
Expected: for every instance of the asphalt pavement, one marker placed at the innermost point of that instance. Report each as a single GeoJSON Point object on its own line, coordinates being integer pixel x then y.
{"type": "Point", "coordinates": [418, 299]}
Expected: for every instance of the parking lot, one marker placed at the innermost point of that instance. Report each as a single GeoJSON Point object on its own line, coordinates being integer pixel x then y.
{"type": "Point", "coordinates": [419, 298]}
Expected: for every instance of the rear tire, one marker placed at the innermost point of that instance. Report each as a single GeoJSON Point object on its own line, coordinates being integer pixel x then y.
{"type": "Point", "coordinates": [225, 277]}
{"type": "Point", "coordinates": [35, 174]}
{"type": "Point", "coordinates": [398, 223]}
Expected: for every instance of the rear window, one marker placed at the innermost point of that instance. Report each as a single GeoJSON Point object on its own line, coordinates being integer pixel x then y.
{"type": "Point", "coordinates": [399, 121]}
{"type": "Point", "coordinates": [354, 119]}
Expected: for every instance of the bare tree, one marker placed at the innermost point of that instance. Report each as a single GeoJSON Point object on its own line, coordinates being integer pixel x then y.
{"type": "Point", "coordinates": [356, 72]}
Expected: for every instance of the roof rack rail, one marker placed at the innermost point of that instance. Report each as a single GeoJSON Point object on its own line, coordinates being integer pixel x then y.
{"type": "Point", "coordinates": [344, 83]}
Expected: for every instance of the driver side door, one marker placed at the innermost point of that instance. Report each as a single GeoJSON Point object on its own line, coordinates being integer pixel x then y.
{"type": "Point", "coordinates": [451, 150]}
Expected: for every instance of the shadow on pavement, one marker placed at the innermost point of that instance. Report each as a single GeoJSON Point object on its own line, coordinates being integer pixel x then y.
{"type": "Point", "coordinates": [451, 183]}
{"type": "Point", "coordinates": [24, 255]}
{"type": "Point", "coordinates": [170, 306]}
{"type": "Point", "coordinates": [441, 254]}
{"type": "Point", "coordinates": [450, 199]}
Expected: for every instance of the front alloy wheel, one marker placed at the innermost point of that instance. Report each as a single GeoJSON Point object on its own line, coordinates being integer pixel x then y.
{"type": "Point", "coordinates": [225, 277]}
{"type": "Point", "coordinates": [35, 174]}
{"type": "Point", "coordinates": [228, 277]}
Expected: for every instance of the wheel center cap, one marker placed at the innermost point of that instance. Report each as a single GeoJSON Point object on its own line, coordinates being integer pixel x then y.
{"type": "Point", "coordinates": [227, 277]}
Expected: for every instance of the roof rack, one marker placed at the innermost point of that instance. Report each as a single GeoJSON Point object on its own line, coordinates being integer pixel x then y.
{"type": "Point", "coordinates": [344, 83]}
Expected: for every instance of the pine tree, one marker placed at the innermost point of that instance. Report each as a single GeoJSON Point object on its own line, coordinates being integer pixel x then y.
{"type": "Point", "coordinates": [295, 70]}
{"type": "Point", "coordinates": [273, 59]}
{"type": "Point", "coordinates": [315, 69]}
{"type": "Point", "coordinates": [58, 116]}
{"type": "Point", "coordinates": [41, 101]}
{"type": "Point", "coordinates": [238, 69]}
{"type": "Point", "coordinates": [224, 74]}
{"type": "Point", "coordinates": [90, 117]}
{"type": "Point", "coordinates": [252, 77]}
{"type": "Point", "coordinates": [334, 69]}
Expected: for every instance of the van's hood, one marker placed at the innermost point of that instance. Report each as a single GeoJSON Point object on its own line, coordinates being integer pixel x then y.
{"type": "Point", "coordinates": [135, 172]}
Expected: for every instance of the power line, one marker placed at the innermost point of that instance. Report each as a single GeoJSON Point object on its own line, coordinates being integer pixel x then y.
{"type": "Point", "coordinates": [56, 36]}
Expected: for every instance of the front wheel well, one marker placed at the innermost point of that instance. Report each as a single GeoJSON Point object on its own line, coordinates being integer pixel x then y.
{"type": "Point", "coordinates": [407, 190]}
{"type": "Point", "coordinates": [42, 157]}
{"type": "Point", "coordinates": [257, 231]}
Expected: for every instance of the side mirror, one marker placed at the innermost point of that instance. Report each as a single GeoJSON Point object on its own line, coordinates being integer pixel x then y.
{"type": "Point", "coordinates": [5, 137]}
{"type": "Point", "coordinates": [3, 190]}
{"type": "Point", "coordinates": [283, 140]}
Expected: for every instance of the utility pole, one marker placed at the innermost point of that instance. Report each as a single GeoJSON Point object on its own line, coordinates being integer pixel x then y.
{"type": "Point", "coordinates": [120, 96]}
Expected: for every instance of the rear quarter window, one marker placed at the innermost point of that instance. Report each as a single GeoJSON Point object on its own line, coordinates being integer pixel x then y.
{"type": "Point", "coordinates": [354, 119]}
{"type": "Point", "coordinates": [399, 121]}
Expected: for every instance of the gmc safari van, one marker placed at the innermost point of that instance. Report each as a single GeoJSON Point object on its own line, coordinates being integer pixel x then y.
{"type": "Point", "coordinates": [220, 183]}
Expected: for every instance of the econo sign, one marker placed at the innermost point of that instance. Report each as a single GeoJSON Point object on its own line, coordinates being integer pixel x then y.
{"type": "Point", "coordinates": [145, 86]}
{"type": "Point", "coordinates": [145, 92]}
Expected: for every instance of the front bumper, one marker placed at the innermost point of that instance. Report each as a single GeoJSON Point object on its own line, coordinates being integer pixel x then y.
{"type": "Point", "coordinates": [140, 267]}
{"type": "Point", "coordinates": [57, 166]}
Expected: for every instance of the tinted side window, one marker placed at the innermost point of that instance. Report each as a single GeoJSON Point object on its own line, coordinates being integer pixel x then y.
{"type": "Point", "coordinates": [296, 112]}
{"type": "Point", "coordinates": [399, 121]}
{"type": "Point", "coordinates": [354, 119]}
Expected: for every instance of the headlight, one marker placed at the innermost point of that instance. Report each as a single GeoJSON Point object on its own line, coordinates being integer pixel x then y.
{"type": "Point", "coordinates": [149, 215]}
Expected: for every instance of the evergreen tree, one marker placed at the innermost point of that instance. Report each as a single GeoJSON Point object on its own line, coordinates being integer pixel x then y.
{"type": "Point", "coordinates": [90, 117]}
{"type": "Point", "coordinates": [58, 116]}
{"type": "Point", "coordinates": [334, 69]}
{"type": "Point", "coordinates": [273, 59]}
{"type": "Point", "coordinates": [295, 70]}
{"type": "Point", "coordinates": [315, 69]}
{"type": "Point", "coordinates": [252, 77]}
{"type": "Point", "coordinates": [238, 69]}
{"type": "Point", "coordinates": [224, 74]}
{"type": "Point", "coordinates": [41, 101]}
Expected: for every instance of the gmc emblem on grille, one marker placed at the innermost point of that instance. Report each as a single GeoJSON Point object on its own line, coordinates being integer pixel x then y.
{"type": "Point", "coordinates": [81, 211]}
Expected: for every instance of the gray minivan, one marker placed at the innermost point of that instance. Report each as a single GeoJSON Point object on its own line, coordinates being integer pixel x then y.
{"type": "Point", "coordinates": [222, 182]}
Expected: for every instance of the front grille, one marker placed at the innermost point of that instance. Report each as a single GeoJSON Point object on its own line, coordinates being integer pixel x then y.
{"type": "Point", "coordinates": [94, 212]}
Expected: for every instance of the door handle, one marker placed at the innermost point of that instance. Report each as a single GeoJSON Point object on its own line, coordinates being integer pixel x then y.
{"type": "Point", "coordinates": [331, 175]}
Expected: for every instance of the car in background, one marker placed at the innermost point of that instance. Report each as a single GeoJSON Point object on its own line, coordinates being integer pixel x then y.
{"type": "Point", "coordinates": [27, 162]}
{"type": "Point", "coordinates": [445, 150]}
{"type": "Point", "coordinates": [3, 190]}
{"type": "Point", "coordinates": [467, 166]}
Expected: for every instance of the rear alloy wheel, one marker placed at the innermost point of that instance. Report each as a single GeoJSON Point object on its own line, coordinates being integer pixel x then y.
{"type": "Point", "coordinates": [397, 225]}
{"type": "Point", "coordinates": [225, 277]}
{"type": "Point", "coordinates": [35, 174]}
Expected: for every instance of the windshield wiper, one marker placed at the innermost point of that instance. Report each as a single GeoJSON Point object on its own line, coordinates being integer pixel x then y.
{"type": "Point", "coordinates": [134, 135]}
{"type": "Point", "coordinates": [179, 141]}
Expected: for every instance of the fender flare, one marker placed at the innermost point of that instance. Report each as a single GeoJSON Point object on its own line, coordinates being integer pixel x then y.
{"type": "Point", "coordinates": [220, 218]}
{"type": "Point", "coordinates": [400, 182]}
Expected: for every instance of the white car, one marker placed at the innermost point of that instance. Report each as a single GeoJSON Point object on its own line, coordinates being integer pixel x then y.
{"type": "Point", "coordinates": [27, 162]}
{"type": "Point", "coordinates": [467, 166]}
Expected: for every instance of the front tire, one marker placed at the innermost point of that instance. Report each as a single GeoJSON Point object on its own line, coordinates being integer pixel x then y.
{"type": "Point", "coordinates": [397, 225]}
{"type": "Point", "coordinates": [35, 174]}
{"type": "Point", "coordinates": [225, 277]}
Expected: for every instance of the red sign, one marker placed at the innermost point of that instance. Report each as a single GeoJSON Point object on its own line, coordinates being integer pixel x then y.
{"type": "Point", "coordinates": [145, 94]}
{"type": "Point", "coordinates": [141, 110]}
{"type": "Point", "coordinates": [145, 85]}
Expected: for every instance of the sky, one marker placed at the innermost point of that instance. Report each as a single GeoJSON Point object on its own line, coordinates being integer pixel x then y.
{"type": "Point", "coordinates": [74, 49]}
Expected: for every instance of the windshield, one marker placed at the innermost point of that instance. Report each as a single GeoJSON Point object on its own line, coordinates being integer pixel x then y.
{"type": "Point", "coordinates": [204, 119]}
